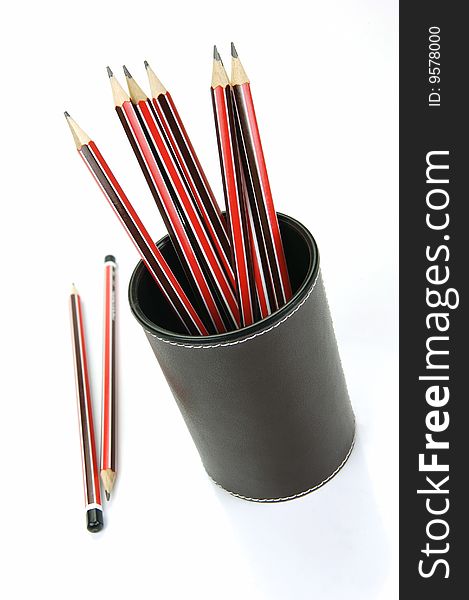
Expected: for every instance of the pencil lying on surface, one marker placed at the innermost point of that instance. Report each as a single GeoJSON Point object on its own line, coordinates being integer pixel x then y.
{"type": "Point", "coordinates": [150, 254]}
{"type": "Point", "coordinates": [93, 507]}
{"type": "Point", "coordinates": [153, 156]}
{"type": "Point", "coordinates": [233, 188]}
{"type": "Point", "coordinates": [109, 400]}
{"type": "Point", "coordinates": [262, 206]}
{"type": "Point", "coordinates": [174, 127]}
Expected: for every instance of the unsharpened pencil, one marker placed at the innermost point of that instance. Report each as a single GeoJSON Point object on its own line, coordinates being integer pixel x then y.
{"type": "Point", "coordinates": [93, 506]}
{"type": "Point", "coordinates": [109, 380]}
{"type": "Point", "coordinates": [150, 254]}
{"type": "Point", "coordinates": [262, 209]}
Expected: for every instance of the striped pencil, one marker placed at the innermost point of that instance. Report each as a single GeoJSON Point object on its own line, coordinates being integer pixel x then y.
{"type": "Point", "coordinates": [214, 262]}
{"type": "Point", "coordinates": [233, 188]}
{"type": "Point", "coordinates": [262, 207]}
{"type": "Point", "coordinates": [93, 507]}
{"type": "Point", "coordinates": [150, 254]}
{"type": "Point", "coordinates": [168, 204]}
{"type": "Point", "coordinates": [204, 197]}
{"type": "Point", "coordinates": [109, 401]}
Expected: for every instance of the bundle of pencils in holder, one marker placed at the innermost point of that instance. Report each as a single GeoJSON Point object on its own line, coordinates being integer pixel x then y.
{"type": "Point", "coordinates": [235, 266]}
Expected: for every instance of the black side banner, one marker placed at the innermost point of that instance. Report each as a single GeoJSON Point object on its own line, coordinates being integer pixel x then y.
{"type": "Point", "coordinates": [434, 331]}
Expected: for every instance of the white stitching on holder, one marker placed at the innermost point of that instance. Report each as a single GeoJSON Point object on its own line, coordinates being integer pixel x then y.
{"type": "Point", "coordinates": [245, 339]}
{"type": "Point", "coordinates": [295, 495]}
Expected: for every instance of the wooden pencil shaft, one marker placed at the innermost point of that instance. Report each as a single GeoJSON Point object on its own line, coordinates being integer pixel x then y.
{"type": "Point", "coordinates": [253, 147]}
{"type": "Point", "coordinates": [158, 173]}
{"type": "Point", "coordinates": [109, 391]}
{"type": "Point", "coordinates": [217, 252]}
{"type": "Point", "coordinates": [168, 222]}
{"type": "Point", "coordinates": [166, 175]}
{"type": "Point", "coordinates": [234, 199]}
{"type": "Point", "coordinates": [151, 255]}
{"type": "Point", "coordinates": [158, 128]}
{"type": "Point", "coordinates": [202, 194]}
{"type": "Point", "coordinates": [258, 222]}
{"type": "Point", "coordinates": [260, 209]}
{"type": "Point", "coordinates": [84, 404]}
{"type": "Point", "coordinates": [209, 207]}
{"type": "Point", "coordinates": [167, 160]}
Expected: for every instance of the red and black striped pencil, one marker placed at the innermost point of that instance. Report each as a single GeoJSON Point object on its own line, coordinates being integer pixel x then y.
{"type": "Point", "coordinates": [93, 506]}
{"type": "Point", "coordinates": [207, 205]}
{"type": "Point", "coordinates": [154, 169]}
{"type": "Point", "coordinates": [150, 254]}
{"type": "Point", "coordinates": [262, 206]}
{"type": "Point", "coordinates": [109, 389]}
{"type": "Point", "coordinates": [210, 254]}
{"type": "Point", "coordinates": [238, 222]}
{"type": "Point", "coordinates": [190, 165]}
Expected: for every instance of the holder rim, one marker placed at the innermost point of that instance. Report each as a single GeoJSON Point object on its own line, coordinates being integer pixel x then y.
{"type": "Point", "coordinates": [221, 338]}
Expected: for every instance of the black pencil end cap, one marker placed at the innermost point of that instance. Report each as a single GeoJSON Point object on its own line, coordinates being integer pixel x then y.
{"type": "Point", "coordinates": [94, 520]}
{"type": "Point", "coordinates": [109, 258]}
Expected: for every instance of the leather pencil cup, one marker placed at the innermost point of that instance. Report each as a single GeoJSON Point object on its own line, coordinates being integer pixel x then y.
{"type": "Point", "coordinates": [266, 405]}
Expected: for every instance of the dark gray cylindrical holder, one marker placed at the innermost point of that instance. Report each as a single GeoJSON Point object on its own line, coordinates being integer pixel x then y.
{"type": "Point", "coordinates": [266, 405]}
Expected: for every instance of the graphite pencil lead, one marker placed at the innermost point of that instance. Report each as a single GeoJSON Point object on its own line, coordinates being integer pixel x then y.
{"type": "Point", "coordinates": [126, 72]}
{"type": "Point", "coordinates": [234, 54]}
{"type": "Point", "coordinates": [216, 54]}
{"type": "Point", "coordinates": [79, 136]}
{"type": "Point", "coordinates": [108, 495]}
{"type": "Point", "coordinates": [146, 63]}
{"type": "Point", "coordinates": [74, 290]}
{"type": "Point", "coordinates": [156, 87]}
{"type": "Point", "coordinates": [109, 72]}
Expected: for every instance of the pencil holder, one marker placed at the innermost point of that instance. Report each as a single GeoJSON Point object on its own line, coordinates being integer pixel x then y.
{"type": "Point", "coordinates": [266, 405]}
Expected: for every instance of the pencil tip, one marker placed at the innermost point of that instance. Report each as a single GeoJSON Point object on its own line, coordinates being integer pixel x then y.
{"type": "Point", "coordinates": [109, 72]}
{"type": "Point", "coordinates": [234, 54]}
{"type": "Point", "coordinates": [67, 116]}
{"type": "Point", "coordinates": [216, 54]}
{"type": "Point", "coordinates": [108, 495]}
{"type": "Point", "coordinates": [74, 289]}
{"type": "Point", "coordinates": [126, 72]}
{"type": "Point", "coordinates": [146, 63]}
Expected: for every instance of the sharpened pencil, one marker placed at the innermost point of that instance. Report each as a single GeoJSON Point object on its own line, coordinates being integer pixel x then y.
{"type": "Point", "coordinates": [204, 196]}
{"type": "Point", "coordinates": [149, 252]}
{"type": "Point", "coordinates": [238, 223]}
{"type": "Point", "coordinates": [262, 207]}
{"type": "Point", "coordinates": [214, 263]}
{"type": "Point", "coordinates": [167, 203]}
{"type": "Point", "coordinates": [109, 380]}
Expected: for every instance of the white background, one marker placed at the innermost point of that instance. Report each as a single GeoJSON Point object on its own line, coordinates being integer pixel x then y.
{"type": "Point", "coordinates": [324, 79]}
